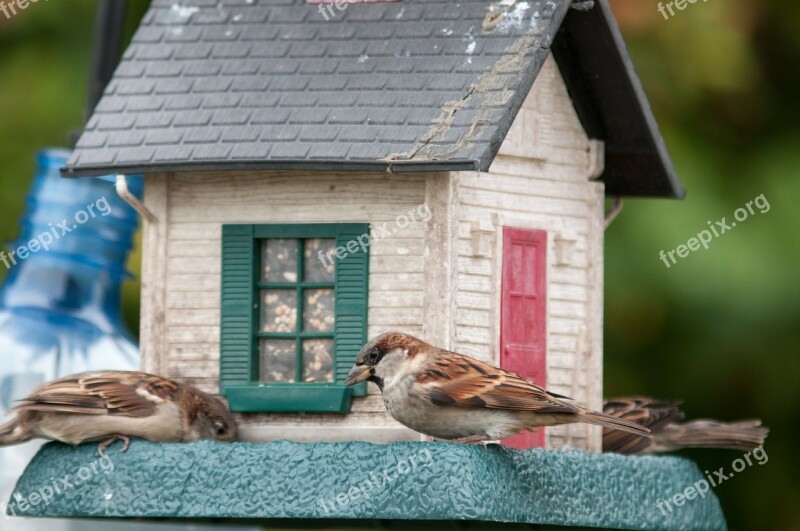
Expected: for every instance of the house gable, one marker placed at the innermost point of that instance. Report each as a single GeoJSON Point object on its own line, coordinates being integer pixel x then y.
{"type": "Point", "coordinates": [543, 179]}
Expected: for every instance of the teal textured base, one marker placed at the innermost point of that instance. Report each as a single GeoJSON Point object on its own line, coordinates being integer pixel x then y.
{"type": "Point", "coordinates": [399, 481]}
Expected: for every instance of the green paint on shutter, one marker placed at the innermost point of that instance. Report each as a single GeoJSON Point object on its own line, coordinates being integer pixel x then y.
{"type": "Point", "coordinates": [238, 337]}
{"type": "Point", "coordinates": [236, 333]}
{"type": "Point", "coordinates": [352, 292]}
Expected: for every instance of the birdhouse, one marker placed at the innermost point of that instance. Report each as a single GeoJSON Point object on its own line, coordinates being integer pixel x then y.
{"type": "Point", "coordinates": [317, 173]}
{"type": "Point", "coordinates": [318, 176]}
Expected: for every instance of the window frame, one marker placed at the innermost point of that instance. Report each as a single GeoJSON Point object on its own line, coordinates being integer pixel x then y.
{"type": "Point", "coordinates": [240, 310]}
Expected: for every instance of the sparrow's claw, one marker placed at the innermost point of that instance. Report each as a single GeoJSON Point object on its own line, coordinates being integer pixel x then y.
{"type": "Point", "coordinates": [101, 449]}
{"type": "Point", "coordinates": [126, 443]}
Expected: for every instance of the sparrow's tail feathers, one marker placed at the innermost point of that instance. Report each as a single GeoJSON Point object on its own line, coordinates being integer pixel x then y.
{"type": "Point", "coordinates": [14, 432]}
{"type": "Point", "coordinates": [613, 423]}
{"type": "Point", "coordinates": [743, 435]}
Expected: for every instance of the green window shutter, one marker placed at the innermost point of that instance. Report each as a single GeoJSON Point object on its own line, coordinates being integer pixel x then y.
{"type": "Point", "coordinates": [236, 315]}
{"type": "Point", "coordinates": [352, 290]}
{"type": "Point", "coordinates": [239, 320]}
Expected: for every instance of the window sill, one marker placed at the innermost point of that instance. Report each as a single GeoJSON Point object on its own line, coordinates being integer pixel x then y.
{"type": "Point", "coordinates": [292, 398]}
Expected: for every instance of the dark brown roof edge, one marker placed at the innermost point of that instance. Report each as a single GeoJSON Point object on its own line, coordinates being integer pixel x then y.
{"type": "Point", "coordinates": [399, 166]}
{"type": "Point", "coordinates": [612, 106]}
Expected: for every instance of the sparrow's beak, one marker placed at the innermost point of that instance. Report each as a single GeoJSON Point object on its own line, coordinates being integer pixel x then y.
{"type": "Point", "coordinates": [357, 374]}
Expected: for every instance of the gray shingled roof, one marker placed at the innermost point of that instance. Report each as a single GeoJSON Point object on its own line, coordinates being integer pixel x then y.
{"type": "Point", "coordinates": [267, 83]}
{"type": "Point", "coordinates": [271, 84]}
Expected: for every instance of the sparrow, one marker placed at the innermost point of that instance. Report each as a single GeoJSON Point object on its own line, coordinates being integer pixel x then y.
{"type": "Point", "coordinates": [663, 418]}
{"type": "Point", "coordinates": [452, 396]}
{"type": "Point", "coordinates": [108, 406]}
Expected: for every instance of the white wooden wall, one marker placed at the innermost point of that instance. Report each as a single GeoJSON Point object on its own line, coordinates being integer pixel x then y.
{"type": "Point", "coordinates": [540, 180]}
{"type": "Point", "coordinates": [181, 274]}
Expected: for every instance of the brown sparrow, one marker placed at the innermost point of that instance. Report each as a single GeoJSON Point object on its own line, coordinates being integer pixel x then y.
{"type": "Point", "coordinates": [669, 435]}
{"type": "Point", "coordinates": [107, 406]}
{"type": "Point", "coordinates": [452, 396]}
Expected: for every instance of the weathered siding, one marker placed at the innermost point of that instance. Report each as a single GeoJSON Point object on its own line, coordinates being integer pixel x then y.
{"type": "Point", "coordinates": [540, 180]}
{"type": "Point", "coordinates": [181, 288]}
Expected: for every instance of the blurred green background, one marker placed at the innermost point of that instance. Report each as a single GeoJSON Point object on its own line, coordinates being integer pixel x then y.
{"type": "Point", "coordinates": [720, 329]}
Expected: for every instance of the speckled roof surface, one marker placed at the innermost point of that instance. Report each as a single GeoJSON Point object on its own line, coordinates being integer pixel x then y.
{"type": "Point", "coordinates": [272, 81]}
{"type": "Point", "coordinates": [413, 85]}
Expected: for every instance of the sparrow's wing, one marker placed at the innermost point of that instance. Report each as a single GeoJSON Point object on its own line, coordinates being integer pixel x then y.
{"type": "Point", "coordinates": [456, 380]}
{"type": "Point", "coordinates": [644, 411]}
{"type": "Point", "coordinates": [130, 394]}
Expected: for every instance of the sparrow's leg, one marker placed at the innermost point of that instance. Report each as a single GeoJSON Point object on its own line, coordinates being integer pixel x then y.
{"type": "Point", "coordinates": [472, 439]}
{"type": "Point", "coordinates": [101, 449]}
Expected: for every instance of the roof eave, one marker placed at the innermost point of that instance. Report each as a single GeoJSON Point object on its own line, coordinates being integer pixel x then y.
{"type": "Point", "coordinates": [381, 166]}
{"type": "Point", "coordinates": [611, 104]}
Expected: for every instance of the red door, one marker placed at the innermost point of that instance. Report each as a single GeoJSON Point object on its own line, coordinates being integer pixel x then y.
{"type": "Point", "coordinates": [523, 317]}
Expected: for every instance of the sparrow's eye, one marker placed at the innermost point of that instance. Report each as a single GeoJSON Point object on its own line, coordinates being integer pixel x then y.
{"type": "Point", "coordinates": [220, 429]}
{"type": "Point", "coordinates": [373, 356]}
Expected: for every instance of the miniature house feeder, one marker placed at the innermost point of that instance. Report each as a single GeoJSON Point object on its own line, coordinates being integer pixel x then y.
{"type": "Point", "coordinates": [432, 167]}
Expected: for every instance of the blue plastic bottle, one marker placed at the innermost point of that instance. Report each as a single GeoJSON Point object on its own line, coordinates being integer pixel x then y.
{"type": "Point", "coordinates": [60, 302]}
